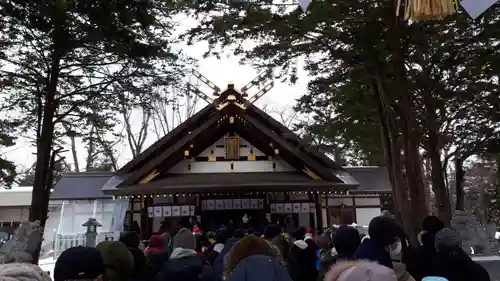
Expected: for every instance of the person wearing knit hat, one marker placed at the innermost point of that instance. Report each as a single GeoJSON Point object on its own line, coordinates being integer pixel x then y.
{"type": "Point", "coordinates": [79, 263]}
{"type": "Point", "coordinates": [361, 270]}
{"type": "Point", "coordinates": [184, 263]}
{"type": "Point", "coordinates": [24, 272]}
{"type": "Point", "coordinates": [384, 234]}
{"type": "Point", "coordinates": [118, 260]}
{"type": "Point", "coordinates": [447, 238]}
{"type": "Point", "coordinates": [185, 239]}
{"type": "Point", "coordinates": [452, 262]}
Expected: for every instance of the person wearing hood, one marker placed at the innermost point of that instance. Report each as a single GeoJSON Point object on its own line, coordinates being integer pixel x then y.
{"type": "Point", "coordinates": [347, 241]}
{"type": "Point", "coordinates": [305, 262]}
{"type": "Point", "coordinates": [452, 262]}
{"type": "Point", "coordinates": [259, 268]}
{"type": "Point", "coordinates": [253, 246]}
{"type": "Point", "coordinates": [215, 273]}
{"type": "Point", "coordinates": [118, 260]}
{"type": "Point", "coordinates": [221, 237]}
{"type": "Point", "coordinates": [419, 261]}
{"type": "Point", "coordinates": [383, 243]}
{"type": "Point", "coordinates": [155, 245]}
{"type": "Point", "coordinates": [22, 272]}
{"type": "Point", "coordinates": [184, 263]}
{"type": "Point", "coordinates": [132, 240]}
{"type": "Point", "coordinates": [360, 270]}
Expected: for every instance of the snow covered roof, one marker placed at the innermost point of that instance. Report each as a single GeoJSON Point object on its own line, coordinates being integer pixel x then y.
{"type": "Point", "coordinates": [17, 196]}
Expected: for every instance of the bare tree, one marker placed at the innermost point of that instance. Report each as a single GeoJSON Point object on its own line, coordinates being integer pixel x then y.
{"type": "Point", "coordinates": [172, 107]}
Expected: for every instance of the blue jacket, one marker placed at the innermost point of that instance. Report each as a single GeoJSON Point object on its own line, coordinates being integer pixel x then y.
{"type": "Point", "coordinates": [259, 268]}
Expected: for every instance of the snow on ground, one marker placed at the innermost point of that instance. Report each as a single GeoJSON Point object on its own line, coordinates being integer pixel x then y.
{"type": "Point", "coordinates": [48, 265]}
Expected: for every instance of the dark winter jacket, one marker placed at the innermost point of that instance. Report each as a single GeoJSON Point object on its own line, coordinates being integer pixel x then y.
{"type": "Point", "coordinates": [259, 268]}
{"type": "Point", "coordinates": [456, 265]}
{"type": "Point", "coordinates": [184, 265]}
{"type": "Point", "coordinates": [347, 241]}
{"type": "Point", "coordinates": [215, 273]}
{"type": "Point", "coordinates": [369, 250]}
{"type": "Point", "coordinates": [419, 261]}
{"type": "Point", "coordinates": [304, 268]}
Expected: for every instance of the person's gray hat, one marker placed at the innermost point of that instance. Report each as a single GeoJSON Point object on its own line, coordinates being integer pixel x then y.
{"type": "Point", "coordinates": [447, 238]}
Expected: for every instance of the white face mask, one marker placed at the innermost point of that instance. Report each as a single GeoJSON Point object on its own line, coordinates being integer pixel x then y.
{"type": "Point", "coordinates": [395, 252]}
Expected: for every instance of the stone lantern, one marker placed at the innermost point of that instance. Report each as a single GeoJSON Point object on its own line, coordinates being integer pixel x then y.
{"type": "Point", "coordinates": [91, 234]}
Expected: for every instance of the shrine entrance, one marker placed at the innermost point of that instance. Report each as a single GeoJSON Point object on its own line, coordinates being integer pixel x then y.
{"type": "Point", "coordinates": [212, 220]}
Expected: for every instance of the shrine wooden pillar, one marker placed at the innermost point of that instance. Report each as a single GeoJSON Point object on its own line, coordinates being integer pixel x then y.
{"type": "Point", "coordinates": [144, 219]}
{"type": "Point", "coordinates": [131, 212]}
{"type": "Point", "coordinates": [312, 219]}
{"type": "Point", "coordinates": [319, 212]}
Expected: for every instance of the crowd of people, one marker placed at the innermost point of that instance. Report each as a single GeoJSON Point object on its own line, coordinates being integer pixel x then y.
{"type": "Point", "coordinates": [340, 254]}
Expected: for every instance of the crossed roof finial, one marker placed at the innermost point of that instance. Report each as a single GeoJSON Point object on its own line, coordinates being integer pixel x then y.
{"type": "Point", "coordinates": [262, 78]}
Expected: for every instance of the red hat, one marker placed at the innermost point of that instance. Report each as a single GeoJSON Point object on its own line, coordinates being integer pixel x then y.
{"type": "Point", "coordinates": [196, 229]}
{"type": "Point", "coordinates": [308, 230]}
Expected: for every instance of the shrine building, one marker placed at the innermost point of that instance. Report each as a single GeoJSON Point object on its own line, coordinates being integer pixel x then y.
{"type": "Point", "coordinates": [229, 160]}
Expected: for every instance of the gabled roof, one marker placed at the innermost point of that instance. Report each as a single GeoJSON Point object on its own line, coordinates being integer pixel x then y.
{"type": "Point", "coordinates": [81, 186]}
{"type": "Point", "coordinates": [248, 121]}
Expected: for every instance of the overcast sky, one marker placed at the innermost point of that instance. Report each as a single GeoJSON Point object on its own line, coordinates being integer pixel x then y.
{"type": "Point", "coordinates": [221, 72]}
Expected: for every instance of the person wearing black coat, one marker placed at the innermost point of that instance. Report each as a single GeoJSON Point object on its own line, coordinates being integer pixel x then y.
{"type": "Point", "coordinates": [452, 262]}
{"type": "Point", "coordinates": [184, 263]}
{"type": "Point", "coordinates": [419, 261]}
{"type": "Point", "coordinates": [347, 241]}
{"type": "Point", "coordinates": [383, 232]}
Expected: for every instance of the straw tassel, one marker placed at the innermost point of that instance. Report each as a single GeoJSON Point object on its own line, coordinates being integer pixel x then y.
{"type": "Point", "coordinates": [418, 10]}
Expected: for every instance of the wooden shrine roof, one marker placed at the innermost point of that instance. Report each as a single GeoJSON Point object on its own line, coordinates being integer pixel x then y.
{"type": "Point", "coordinates": [87, 185]}
{"type": "Point", "coordinates": [315, 170]}
{"type": "Point", "coordinates": [233, 182]}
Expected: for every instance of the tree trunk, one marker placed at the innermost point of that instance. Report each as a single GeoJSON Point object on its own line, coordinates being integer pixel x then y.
{"type": "Point", "coordinates": [44, 146]}
{"type": "Point", "coordinates": [443, 206]}
{"type": "Point", "coordinates": [409, 127]}
{"type": "Point", "coordinates": [391, 140]}
{"type": "Point", "coordinates": [42, 186]}
{"type": "Point", "coordinates": [459, 182]}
